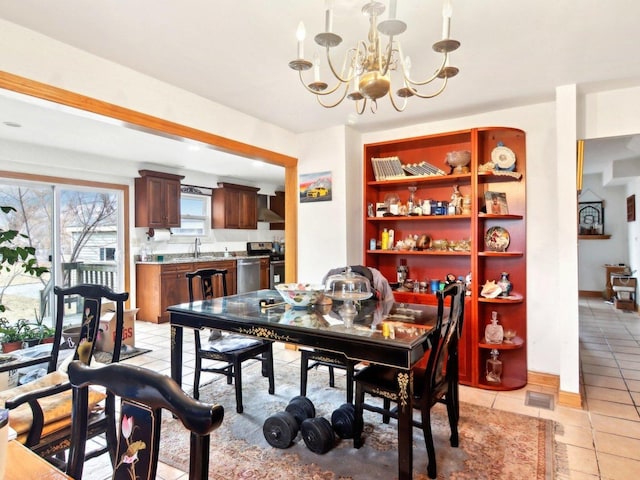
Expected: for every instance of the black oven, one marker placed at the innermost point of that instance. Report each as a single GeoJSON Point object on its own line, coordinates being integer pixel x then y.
{"type": "Point", "coordinates": [276, 260]}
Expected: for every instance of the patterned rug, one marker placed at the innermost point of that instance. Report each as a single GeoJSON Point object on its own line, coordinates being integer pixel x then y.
{"type": "Point", "coordinates": [493, 444]}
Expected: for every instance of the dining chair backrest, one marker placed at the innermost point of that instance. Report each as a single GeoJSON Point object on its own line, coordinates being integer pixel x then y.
{"type": "Point", "coordinates": [143, 393]}
{"type": "Point", "coordinates": [442, 365]}
{"type": "Point", "coordinates": [207, 282]}
{"type": "Point", "coordinates": [42, 408]}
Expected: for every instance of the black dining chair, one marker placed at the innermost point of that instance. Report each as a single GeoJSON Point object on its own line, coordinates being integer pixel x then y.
{"type": "Point", "coordinates": [435, 383]}
{"type": "Point", "coordinates": [40, 411]}
{"type": "Point", "coordinates": [232, 349]}
{"type": "Point", "coordinates": [143, 395]}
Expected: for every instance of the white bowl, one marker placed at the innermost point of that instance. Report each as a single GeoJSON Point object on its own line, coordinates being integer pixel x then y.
{"type": "Point", "coordinates": [300, 295]}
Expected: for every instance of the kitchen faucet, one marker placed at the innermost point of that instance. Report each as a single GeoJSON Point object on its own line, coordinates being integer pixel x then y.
{"type": "Point", "coordinates": [196, 250]}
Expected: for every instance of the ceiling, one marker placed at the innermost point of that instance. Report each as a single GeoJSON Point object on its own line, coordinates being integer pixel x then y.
{"type": "Point", "coordinates": [236, 53]}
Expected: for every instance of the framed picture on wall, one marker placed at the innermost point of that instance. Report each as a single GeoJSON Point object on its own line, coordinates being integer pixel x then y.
{"type": "Point", "coordinates": [315, 187]}
{"type": "Point", "coordinates": [590, 218]}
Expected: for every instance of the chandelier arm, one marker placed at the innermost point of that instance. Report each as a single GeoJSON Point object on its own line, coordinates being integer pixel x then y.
{"type": "Point", "coordinates": [390, 51]}
{"type": "Point", "coordinates": [409, 81]}
{"type": "Point", "coordinates": [333, 70]}
{"type": "Point", "coordinates": [344, 94]}
{"type": "Point", "coordinates": [364, 106]}
{"type": "Point", "coordinates": [430, 95]}
{"type": "Point", "coordinates": [395, 105]}
{"type": "Point", "coordinates": [319, 93]}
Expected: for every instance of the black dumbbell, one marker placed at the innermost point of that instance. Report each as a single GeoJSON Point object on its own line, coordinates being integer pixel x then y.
{"type": "Point", "coordinates": [343, 419]}
{"type": "Point", "coordinates": [280, 429]}
{"type": "Point", "coordinates": [318, 434]}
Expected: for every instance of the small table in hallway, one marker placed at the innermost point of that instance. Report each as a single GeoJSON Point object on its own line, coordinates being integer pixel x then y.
{"type": "Point", "coordinates": [312, 328]}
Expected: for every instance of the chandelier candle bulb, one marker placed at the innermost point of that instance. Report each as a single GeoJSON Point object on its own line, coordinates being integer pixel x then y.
{"type": "Point", "coordinates": [328, 17]}
{"type": "Point", "coordinates": [300, 35]}
{"type": "Point", "coordinates": [392, 9]}
{"type": "Point", "coordinates": [446, 19]}
{"type": "Point", "coordinates": [316, 68]}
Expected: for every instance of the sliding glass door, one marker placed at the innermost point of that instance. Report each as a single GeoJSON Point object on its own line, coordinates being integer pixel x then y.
{"type": "Point", "coordinates": [84, 225]}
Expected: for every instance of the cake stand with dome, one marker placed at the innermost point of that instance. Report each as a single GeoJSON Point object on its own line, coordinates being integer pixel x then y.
{"type": "Point", "coordinates": [348, 287]}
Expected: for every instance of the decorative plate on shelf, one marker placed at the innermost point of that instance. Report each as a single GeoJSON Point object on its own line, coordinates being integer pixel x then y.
{"type": "Point", "coordinates": [497, 239]}
{"type": "Point", "coordinates": [503, 158]}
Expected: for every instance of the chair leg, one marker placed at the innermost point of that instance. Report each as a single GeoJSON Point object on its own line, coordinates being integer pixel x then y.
{"type": "Point", "coordinates": [196, 377]}
{"type": "Point", "coordinates": [332, 378]}
{"type": "Point", "coordinates": [238, 374]}
{"type": "Point", "coordinates": [304, 366]}
{"type": "Point", "coordinates": [350, 373]}
{"type": "Point", "coordinates": [358, 421]}
{"type": "Point", "coordinates": [428, 440]}
{"type": "Point", "coordinates": [386, 405]}
{"type": "Point", "coordinates": [453, 413]}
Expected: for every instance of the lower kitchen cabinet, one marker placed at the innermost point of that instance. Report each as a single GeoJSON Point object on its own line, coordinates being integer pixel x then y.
{"type": "Point", "coordinates": [160, 285]}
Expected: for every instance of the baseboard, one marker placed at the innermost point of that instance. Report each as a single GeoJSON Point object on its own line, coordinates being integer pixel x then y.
{"type": "Point", "coordinates": [590, 293]}
{"type": "Point", "coordinates": [569, 399]}
{"type": "Point", "coordinates": [547, 380]}
{"type": "Point", "coordinates": [544, 380]}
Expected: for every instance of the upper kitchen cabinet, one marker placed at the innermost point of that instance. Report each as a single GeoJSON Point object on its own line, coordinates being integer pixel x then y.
{"type": "Point", "coordinates": [234, 206]}
{"type": "Point", "coordinates": [157, 199]}
{"type": "Point", "coordinates": [277, 205]}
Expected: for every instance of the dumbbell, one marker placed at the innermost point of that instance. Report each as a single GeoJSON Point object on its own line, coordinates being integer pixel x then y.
{"type": "Point", "coordinates": [318, 434]}
{"type": "Point", "coordinates": [343, 419]}
{"type": "Point", "coordinates": [280, 429]}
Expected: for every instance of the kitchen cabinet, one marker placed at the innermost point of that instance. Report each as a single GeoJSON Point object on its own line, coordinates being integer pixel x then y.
{"type": "Point", "coordinates": [264, 273]}
{"type": "Point", "coordinates": [160, 285]}
{"type": "Point", "coordinates": [232, 281]}
{"type": "Point", "coordinates": [157, 199]}
{"type": "Point", "coordinates": [455, 243]}
{"type": "Point", "coordinates": [234, 206]}
{"type": "Point", "coordinates": [276, 203]}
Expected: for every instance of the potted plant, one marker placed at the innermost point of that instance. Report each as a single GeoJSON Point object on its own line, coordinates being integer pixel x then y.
{"type": "Point", "coordinates": [13, 254]}
{"type": "Point", "coordinates": [12, 336]}
{"type": "Point", "coordinates": [43, 333]}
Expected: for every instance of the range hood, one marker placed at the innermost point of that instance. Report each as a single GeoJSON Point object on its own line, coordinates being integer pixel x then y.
{"type": "Point", "coordinates": [264, 213]}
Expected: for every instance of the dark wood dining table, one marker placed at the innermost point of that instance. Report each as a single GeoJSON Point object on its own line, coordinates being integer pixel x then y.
{"type": "Point", "coordinates": [402, 342]}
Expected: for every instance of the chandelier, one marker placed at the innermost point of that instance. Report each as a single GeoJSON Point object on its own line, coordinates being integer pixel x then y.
{"type": "Point", "coordinates": [366, 69]}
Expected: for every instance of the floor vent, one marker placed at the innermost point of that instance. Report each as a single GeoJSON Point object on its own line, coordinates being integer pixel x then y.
{"type": "Point", "coordinates": [540, 400]}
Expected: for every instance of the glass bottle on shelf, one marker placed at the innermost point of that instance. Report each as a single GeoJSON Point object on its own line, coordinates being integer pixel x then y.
{"type": "Point", "coordinates": [494, 368]}
{"type": "Point", "coordinates": [493, 332]}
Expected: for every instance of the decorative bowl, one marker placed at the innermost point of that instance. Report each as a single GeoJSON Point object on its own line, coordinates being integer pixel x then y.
{"type": "Point", "coordinates": [300, 295]}
{"type": "Point", "coordinates": [459, 160]}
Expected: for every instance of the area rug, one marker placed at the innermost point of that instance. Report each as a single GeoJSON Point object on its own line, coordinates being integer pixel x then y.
{"type": "Point", "coordinates": [127, 352]}
{"type": "Point", "coordinates": [493, 444]}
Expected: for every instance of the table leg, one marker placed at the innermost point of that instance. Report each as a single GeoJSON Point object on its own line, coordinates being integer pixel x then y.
{"type": "Point", "coordinates": [405, 430]}
{"type": "Point", "coordinates": [176, 354]}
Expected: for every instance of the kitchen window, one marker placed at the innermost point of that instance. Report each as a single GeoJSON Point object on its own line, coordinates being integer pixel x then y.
{"type": "Point", "coordinates": [194, 215]}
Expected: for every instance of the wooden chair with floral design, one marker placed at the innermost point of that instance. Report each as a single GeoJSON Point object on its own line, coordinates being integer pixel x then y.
{"type": "Point", "coordinates": [143, 394]}
{"type": "Point", "coordinates": [40, 411]}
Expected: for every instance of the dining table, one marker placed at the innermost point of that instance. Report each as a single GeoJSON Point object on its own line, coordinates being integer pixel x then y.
{"type": "Point", "coordinates": [384, 333]}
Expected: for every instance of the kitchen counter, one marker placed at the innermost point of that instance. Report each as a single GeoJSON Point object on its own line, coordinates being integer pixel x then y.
{"type": "Point", "coordinates": [191, 259]}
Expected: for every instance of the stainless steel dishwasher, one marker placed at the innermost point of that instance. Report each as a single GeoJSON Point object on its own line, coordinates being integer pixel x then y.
{"type": "Point", "coordinates": [248, 274]}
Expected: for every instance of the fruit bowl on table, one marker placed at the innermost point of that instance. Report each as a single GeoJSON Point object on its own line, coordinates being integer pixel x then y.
{"type": "Point", "coordinates": [300, 295]}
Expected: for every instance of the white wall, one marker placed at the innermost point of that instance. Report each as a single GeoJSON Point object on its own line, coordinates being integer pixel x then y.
{"type": "Point", "coordinates": [593, 254]}
{"type": "Point", "coordinates": [633, 229]}
{"type": "Point", "coordinates": [322, 226]}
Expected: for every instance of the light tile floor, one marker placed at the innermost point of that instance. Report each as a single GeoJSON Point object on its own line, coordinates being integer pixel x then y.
{"type": "Point", "coordinates": [600, 441]}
